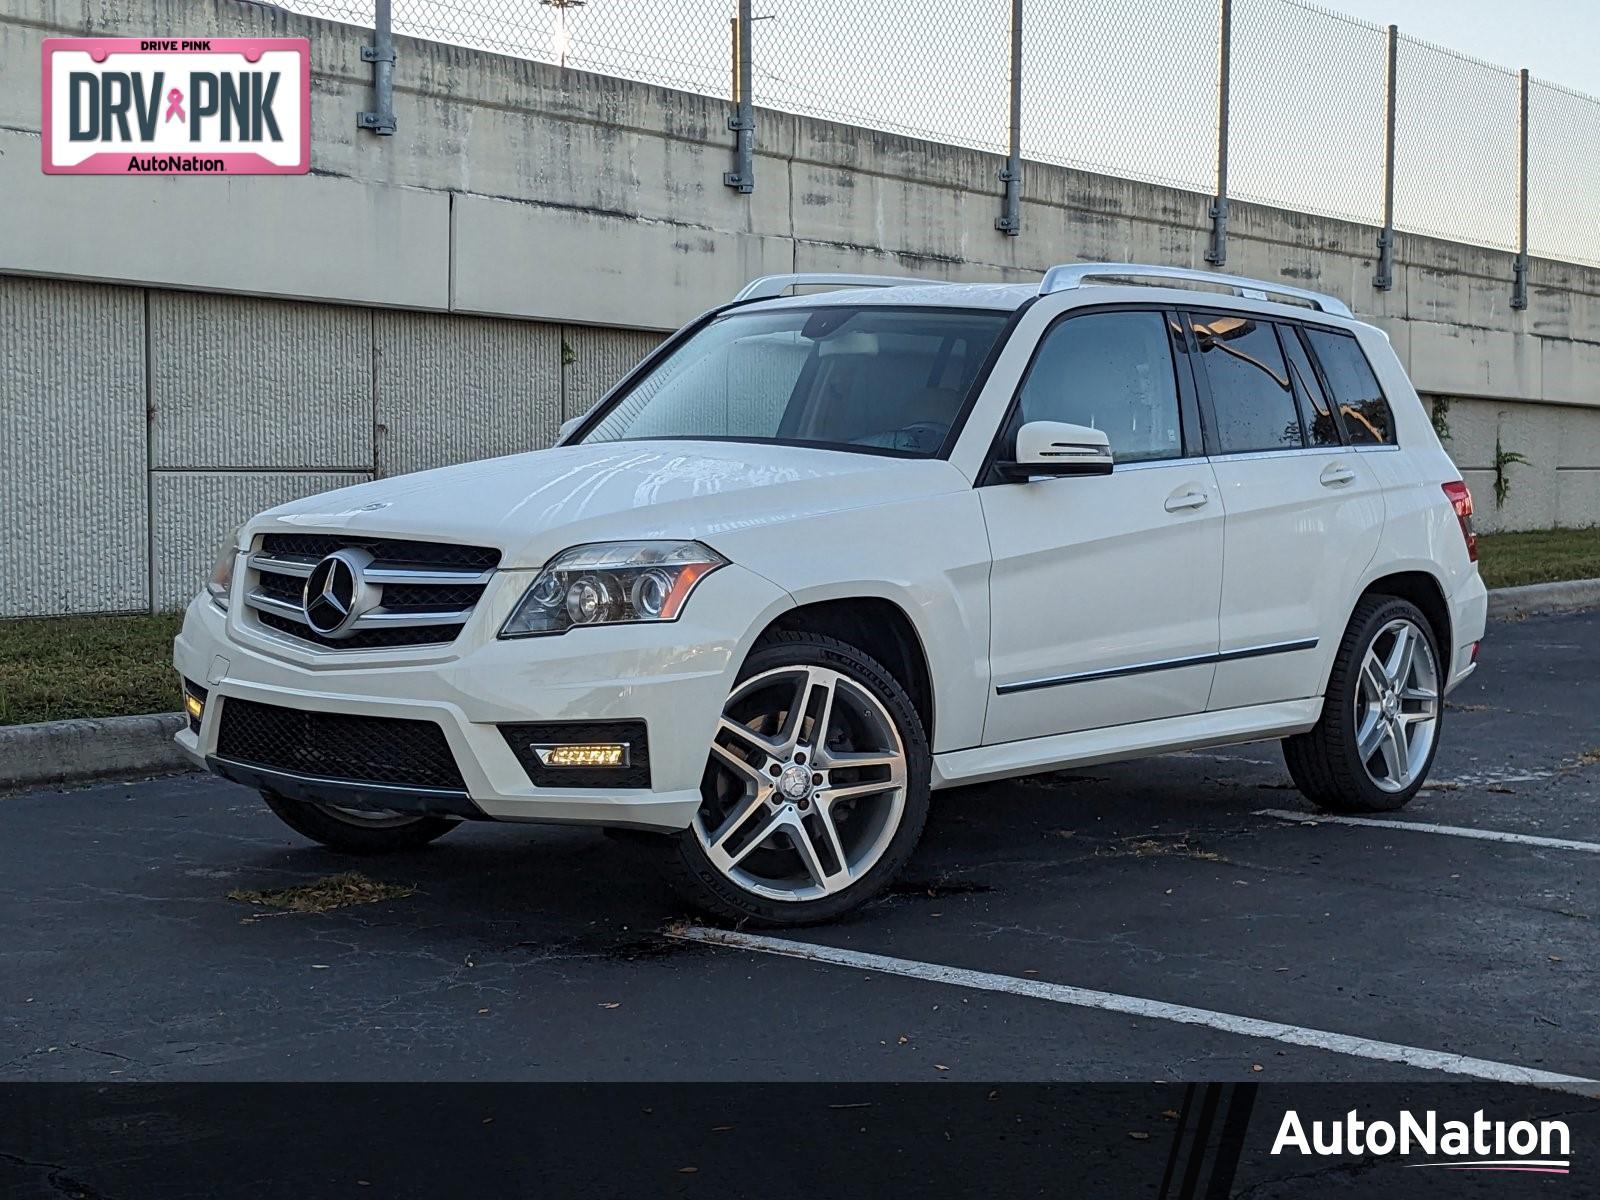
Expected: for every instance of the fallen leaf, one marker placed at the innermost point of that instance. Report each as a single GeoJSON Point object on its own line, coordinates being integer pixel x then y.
{"type": "Point", "coordinates": [940, 1067]}
{"type": "Point", "coordinates": [721, 1128]}
{"type": "Point", "coordinates": [902, 1039]}
{"type": "Point", "coordinates": [1257, 1067]}
{"type": "Point", "coordinates": [334, 891]}
{"type": "Point", "coordinates": [1138, 1135]}
{"type": "Point", "coordinates": [611, 1004]}
{"type": "Point", "coordinates": [1170, 1114]}
{"type": "Point", "coordinates": [688, 1170]}
{"type": "Point", "coordinates": [1557, 958]}
{"type": "Point", "coordinates": [481, 1011]}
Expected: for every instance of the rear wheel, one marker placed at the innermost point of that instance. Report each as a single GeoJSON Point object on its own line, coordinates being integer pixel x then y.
{"type": "Point", "coordinates": [1375, 742]}
{"type": "Point", "coordinates": [815, 793]}
{"type": "Point", "coordinates": [356, 831]}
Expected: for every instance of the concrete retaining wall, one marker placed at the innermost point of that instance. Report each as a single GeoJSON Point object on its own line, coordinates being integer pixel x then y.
{"type": "Point", "coordinates": [179, 352]}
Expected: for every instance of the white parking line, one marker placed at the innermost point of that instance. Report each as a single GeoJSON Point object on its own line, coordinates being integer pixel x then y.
{"type": "Point", "coordinates": [1134, 1006]}
{"type": "Point", "coordinates": [1482, 835]}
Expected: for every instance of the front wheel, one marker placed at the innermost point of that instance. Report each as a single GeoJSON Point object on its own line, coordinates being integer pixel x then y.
{"type": "Point", "coordinates": [1373, 746]}
{"type": "Point", "coordinates": [355, 831]}
{"type": "Point", "coordinates": [816, 789]}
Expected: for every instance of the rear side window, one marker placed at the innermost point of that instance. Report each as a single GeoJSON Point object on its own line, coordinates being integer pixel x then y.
{"type": "Point", "coordinates": [1250, 390]}
{"type": "Point", "coordinates": [1367, 420]}
{"type": "Point", "coordinates": [1110, 371]}
{"type": "Point", "coordinates": [1322, 427]}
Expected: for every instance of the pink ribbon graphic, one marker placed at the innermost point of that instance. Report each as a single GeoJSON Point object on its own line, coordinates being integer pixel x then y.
{"type": "Point", "coordinates": [175, 106]}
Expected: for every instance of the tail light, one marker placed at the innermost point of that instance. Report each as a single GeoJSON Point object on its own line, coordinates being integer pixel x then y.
{"type": "Point", "coordinates": [1461, 501]}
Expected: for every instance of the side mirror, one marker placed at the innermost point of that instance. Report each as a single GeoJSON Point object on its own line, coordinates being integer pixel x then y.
{"type": "Point", "coordinates": [1053, 448]}
{"type": "Point", "coordinates": [567, 427]}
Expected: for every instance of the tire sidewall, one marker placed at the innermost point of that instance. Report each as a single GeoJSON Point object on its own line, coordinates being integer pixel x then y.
{"type": "Point", "coordinates": [720, 895]}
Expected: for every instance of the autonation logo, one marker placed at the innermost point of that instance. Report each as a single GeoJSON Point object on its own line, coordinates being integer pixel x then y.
{"type": "Point", "coordinates": [1477, 1145]}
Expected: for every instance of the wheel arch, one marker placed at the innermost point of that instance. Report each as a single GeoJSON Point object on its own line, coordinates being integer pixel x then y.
{"type": "Point", "coordinates": [876, 626]}
{"type": "Point", "coordinates": [1424, 589]}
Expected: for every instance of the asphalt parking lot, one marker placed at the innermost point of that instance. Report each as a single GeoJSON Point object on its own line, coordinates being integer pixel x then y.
{"type": "Point", "coordinates": [1143, 921]}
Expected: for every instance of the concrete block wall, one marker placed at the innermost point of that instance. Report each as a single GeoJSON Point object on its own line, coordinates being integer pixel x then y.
{"type": "Point", "coordinates": [141, 426]}
{"type": "Point", "coordinates": [178, 352]}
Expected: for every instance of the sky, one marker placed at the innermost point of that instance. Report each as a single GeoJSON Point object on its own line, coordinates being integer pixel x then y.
{"type": "Point", "coordinates": [1558, 40]}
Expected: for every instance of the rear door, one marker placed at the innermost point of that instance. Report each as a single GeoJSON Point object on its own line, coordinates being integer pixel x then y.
{"type": "Point", "coordinates": [1305, 512]}
{"type": "Point", "coordinates": [1104, 590]}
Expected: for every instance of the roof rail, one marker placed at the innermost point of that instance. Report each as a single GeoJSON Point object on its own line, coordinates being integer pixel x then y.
{"type": "Point", "coordinates": [768, 286]}
{"type": "Point", "coordinates": [1072, 275]}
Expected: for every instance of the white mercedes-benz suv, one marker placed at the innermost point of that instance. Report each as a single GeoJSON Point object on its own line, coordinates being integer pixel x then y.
{"type": "Point", "coordinates": [819, 554]}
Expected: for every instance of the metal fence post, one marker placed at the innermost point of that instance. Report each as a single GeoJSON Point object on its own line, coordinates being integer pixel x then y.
{"type": "Point", "coordinates": [1009, 222]}
{"type": "Point", "coordinates": [1384, 279]}
{"type": "Point", "coordinates": [1519, 285]}
{"type": "Point", "coordinates": [1217, 252]}
{"type": "Point", "coordinates": [743, 121]}
{"type": "Point", "coordinates": [381, 55]}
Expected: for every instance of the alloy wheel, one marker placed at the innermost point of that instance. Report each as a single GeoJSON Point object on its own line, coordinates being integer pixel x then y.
{"type": "Point", "coordinates": [806, 784]}
{"type": "Point", "coordinates": [367, 818]}
{"type": "Point", "coordinates": [1397, 705]}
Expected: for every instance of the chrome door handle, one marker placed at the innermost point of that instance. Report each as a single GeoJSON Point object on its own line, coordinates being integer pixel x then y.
{"type": "Point", "coordinates": [1182, 500]}
{"type": "Point", "coordinates": [1336, 474]}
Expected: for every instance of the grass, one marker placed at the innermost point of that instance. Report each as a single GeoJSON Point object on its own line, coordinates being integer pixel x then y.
{"type": "Point", "coordinates": [59, 667]}
{"type": "Point", "coordinates": [1539, 556]}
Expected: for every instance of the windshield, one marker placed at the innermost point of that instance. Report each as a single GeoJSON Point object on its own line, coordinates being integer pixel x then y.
{"type": "Point", "coordinates": [886, 380]}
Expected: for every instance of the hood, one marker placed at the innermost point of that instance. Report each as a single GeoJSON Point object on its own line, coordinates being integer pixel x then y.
{"type": "Point", "coordinates": [534, 505]}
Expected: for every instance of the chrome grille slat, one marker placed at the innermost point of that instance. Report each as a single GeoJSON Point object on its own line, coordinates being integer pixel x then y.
{"type": "Point", "coordinates": [404, 573]}
{"type": "Point", "coordinates": [299, 568]}
{"type": "Point", "coordinates": [380, 616]}
{"type": "Point", "coordinates": [465, 578]}
{"type": "Point", "coordinates": [259, 599]}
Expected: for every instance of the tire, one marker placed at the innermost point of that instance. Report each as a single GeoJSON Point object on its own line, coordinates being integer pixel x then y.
{"type": "Point", "coordinates": [1362, 701]}
{"type": "Point", "coordinates": [743, 859]}
{"type": "Point", "coordinates": [354, 833]}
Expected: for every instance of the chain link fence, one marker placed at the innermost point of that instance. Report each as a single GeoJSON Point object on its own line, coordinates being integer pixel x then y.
{"type": "Point", "coordinates": [1311, 105]}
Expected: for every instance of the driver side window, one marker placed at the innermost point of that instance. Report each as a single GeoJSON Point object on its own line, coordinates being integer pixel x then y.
{"type": "Point", "coordinates": [1111, 371]}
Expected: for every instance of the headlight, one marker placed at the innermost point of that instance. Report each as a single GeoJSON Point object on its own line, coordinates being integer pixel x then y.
{"type": "Point", "coordinates": [612, 583]}
{"type": "Point", "coordinates": [220, 582]}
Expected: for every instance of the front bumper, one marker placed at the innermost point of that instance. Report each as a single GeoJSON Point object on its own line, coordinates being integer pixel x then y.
{"type": "Point", "coordinates": [675, 677]}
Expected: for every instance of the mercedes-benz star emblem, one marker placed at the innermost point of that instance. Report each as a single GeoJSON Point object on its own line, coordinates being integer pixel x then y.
{"type": "Point", "coordinates": [333, 592]}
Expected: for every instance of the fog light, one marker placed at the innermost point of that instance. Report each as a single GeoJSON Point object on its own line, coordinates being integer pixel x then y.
{"type": "Point", "coordinates": [194, 704]}
{"type": "Point", "coordinates": [600, 754]}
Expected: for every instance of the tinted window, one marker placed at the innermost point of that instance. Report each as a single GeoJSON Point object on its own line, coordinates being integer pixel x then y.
{"type": "Point", "coordinates": [851, 378]}
{"type": "Point", "coordinates": [1110, 371]}
{"type": "Point", "coordinates": [1249, 384]}
{"type": "Point", "coordinates": [1322, 427]}
{"type": "Point", "coordinates": [1355, 388]}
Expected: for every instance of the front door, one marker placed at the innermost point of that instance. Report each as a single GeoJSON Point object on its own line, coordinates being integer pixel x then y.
{"type": "Point", "coordinates": [1104, 590]}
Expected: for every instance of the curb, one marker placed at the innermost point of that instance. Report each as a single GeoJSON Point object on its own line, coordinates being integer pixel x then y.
{"type": "Point", "coordinates": [91, 748]}
{"type": "Point", "coordinates": [81, 751]}
{"type": "Point", "coordinates": [1537, 599]}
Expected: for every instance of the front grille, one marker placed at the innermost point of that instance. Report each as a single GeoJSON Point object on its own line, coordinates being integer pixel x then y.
{"type": "Point", "coordinates": [415, 593]}
{"type": "Point", "coordinates": [388, 551]}
{"type": "Point", "coordinates": [384, 751]}
{"type": "Point", "coordinates": [523, 737]}
{"type": "Point", "coordinates": [363, 639]}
